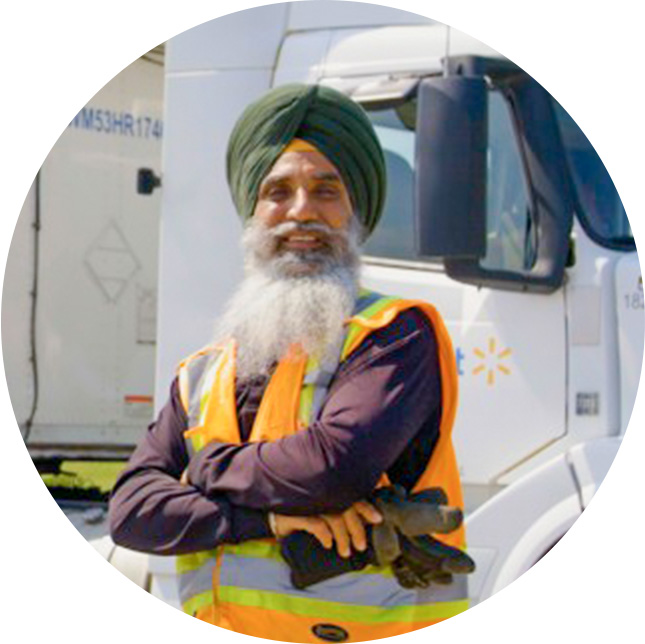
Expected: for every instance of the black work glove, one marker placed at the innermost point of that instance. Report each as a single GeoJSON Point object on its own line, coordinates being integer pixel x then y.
{"type": "Point", "coordinates": [424, 561]}
{"type": "Point", "coordinates": [310, 562]}
{"type": "Point", "coordinates": [400, 541]}
{"type": "Point", "coordinates": [409, 515]}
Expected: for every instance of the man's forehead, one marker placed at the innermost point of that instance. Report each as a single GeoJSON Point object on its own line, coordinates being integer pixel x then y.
{"type": "Point", "coordinates": [312, 163]}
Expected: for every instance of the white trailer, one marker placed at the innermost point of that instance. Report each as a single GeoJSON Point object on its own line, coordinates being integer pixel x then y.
{"type": "Point", "coordinates": [547, 324]}
{"type": "Point", "coordinates": [80, 290]}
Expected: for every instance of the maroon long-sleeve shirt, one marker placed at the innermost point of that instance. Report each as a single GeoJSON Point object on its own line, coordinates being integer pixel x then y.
{"type": "Point", "coordinates": [381, 414]}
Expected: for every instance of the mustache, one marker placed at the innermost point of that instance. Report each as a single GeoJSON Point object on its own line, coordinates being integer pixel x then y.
{"type": "Point", "coordinates": [324, 233]}
{"type": "Point", "coordinates": [266, 248]}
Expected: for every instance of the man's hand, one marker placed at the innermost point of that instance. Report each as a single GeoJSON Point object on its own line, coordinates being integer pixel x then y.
{"type": "Point", "coordinates": [346, 529]}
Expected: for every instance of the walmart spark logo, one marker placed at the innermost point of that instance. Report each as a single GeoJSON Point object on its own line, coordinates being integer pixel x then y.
{"type": "Point", "coordinates": [491, 362]}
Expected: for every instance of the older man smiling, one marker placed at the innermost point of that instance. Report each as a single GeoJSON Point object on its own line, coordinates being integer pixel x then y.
{"type": "Point", "coordinates": [313, 393]}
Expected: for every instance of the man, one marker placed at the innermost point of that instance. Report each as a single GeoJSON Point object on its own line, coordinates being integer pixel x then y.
{"type": "Point", "coordinates": [312, 394]}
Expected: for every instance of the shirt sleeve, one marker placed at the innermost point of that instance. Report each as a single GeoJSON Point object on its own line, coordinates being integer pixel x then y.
{"type": "Point", "coordinates": [151, 511]}
{"type": "Point", "coordinates": [384, 400]}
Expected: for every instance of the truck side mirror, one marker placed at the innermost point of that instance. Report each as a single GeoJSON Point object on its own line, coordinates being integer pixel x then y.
{"type": "Point", "coordinates": [450, 177]}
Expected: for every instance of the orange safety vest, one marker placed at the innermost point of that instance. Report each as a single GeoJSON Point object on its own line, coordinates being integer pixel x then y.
{"type": "Point", "coordinates": [246, 587]}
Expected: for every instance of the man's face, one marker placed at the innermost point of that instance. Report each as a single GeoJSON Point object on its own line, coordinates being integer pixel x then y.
{"type": "Point", "coordinates": [301, 262]}
{"type": "Point", "coordinates": [304, 203]}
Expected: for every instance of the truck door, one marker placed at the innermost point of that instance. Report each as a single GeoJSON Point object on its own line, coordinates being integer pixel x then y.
{"type": "Point", "coordinates": [510, 343]}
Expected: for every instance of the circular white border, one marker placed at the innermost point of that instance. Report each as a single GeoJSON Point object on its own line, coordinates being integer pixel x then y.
{"type": "Point", "coordinates": [55, 56]}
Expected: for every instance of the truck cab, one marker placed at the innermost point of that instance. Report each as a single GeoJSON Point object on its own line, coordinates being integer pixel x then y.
{"type": "Point", "coordinates": [503, 216]}
{"type": "Point", "coordinates": [499, 213]}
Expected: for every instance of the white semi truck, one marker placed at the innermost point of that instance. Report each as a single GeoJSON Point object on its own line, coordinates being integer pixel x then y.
{"type": "Point", "coordinates": [533, 266]}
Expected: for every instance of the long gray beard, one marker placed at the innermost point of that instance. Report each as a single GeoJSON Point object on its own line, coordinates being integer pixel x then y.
{"type": "Point", "coordinates": [290, 298]}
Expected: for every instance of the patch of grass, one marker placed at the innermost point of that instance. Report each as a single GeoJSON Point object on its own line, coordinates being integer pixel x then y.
{"type": "Point", "coordinates": [80, 479]}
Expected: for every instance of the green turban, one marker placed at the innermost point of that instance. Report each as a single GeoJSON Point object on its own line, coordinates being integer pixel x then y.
{"type": "Point", "coordinates": [333, 123]}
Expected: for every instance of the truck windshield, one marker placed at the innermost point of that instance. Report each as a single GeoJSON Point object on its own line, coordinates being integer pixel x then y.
{"type": "Point", "coordinates": [600, 209]}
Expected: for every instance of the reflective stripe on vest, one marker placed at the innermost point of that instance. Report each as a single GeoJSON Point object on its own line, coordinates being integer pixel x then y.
{"type": "Point", "coordinates": [246, 587]}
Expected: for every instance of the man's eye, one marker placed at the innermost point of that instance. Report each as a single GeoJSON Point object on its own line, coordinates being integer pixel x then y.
{"type": "Point", "coordinates": [276, 192]}
{"type": "Point", "coordinates": [327, 191]}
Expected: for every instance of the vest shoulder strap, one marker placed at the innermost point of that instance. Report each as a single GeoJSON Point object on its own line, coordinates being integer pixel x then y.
{"type": "Point", "coordinates": [374, 311]}
{"type": "Point", "coordinates": [191, 373]}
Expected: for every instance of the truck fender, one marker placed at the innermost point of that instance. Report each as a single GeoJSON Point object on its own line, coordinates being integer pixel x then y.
{"type": "Point", "coordinates": [509, 533]}
{"type": "Point", "coordinates": [517, 527]}
{"type": "Point", "coordinates": [590, 462]}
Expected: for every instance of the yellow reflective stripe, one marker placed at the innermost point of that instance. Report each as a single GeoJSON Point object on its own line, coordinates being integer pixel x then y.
{"type": "Point", "coordinates": [207, 385]}
{"type": "Point", "coordinates": [305, 606]}
{"type": "Point", "coordinates": [197, 602]}
{"type": "Point", "coordinates": [263, 549]}
{"type": "Point", "coordinates": [376, 307]}
{"type": "Point", "coordinates": [206, 382]}
{"type": "Point", "coordinates": [306, 403]}
{"type": "Point", "coordinates": [194, 560]}
{"type": "Point", "coordinates": [352, 332]}
{"type": "Point", "coordinates": [203, 401]}
{"type": "Point", "coordinates": [198, 442]}
{"type": "Point", "coordinates": [355, 327]}
{"type": "Point", "coordinates": [307, 394]}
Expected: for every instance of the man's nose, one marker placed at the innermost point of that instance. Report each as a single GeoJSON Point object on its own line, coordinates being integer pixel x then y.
{"type": "Point", "coordinates": [302, 207]}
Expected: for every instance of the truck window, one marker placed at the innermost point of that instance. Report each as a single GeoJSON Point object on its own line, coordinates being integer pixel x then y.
{"type": "Point", "coordinates": [510, 240]}
{"type": "Point", "coordinates": [509, 243]}
{"type": "Point", "coordinates": [599, 207]}
{"type": "Point", "coordinates": [394, 236]}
